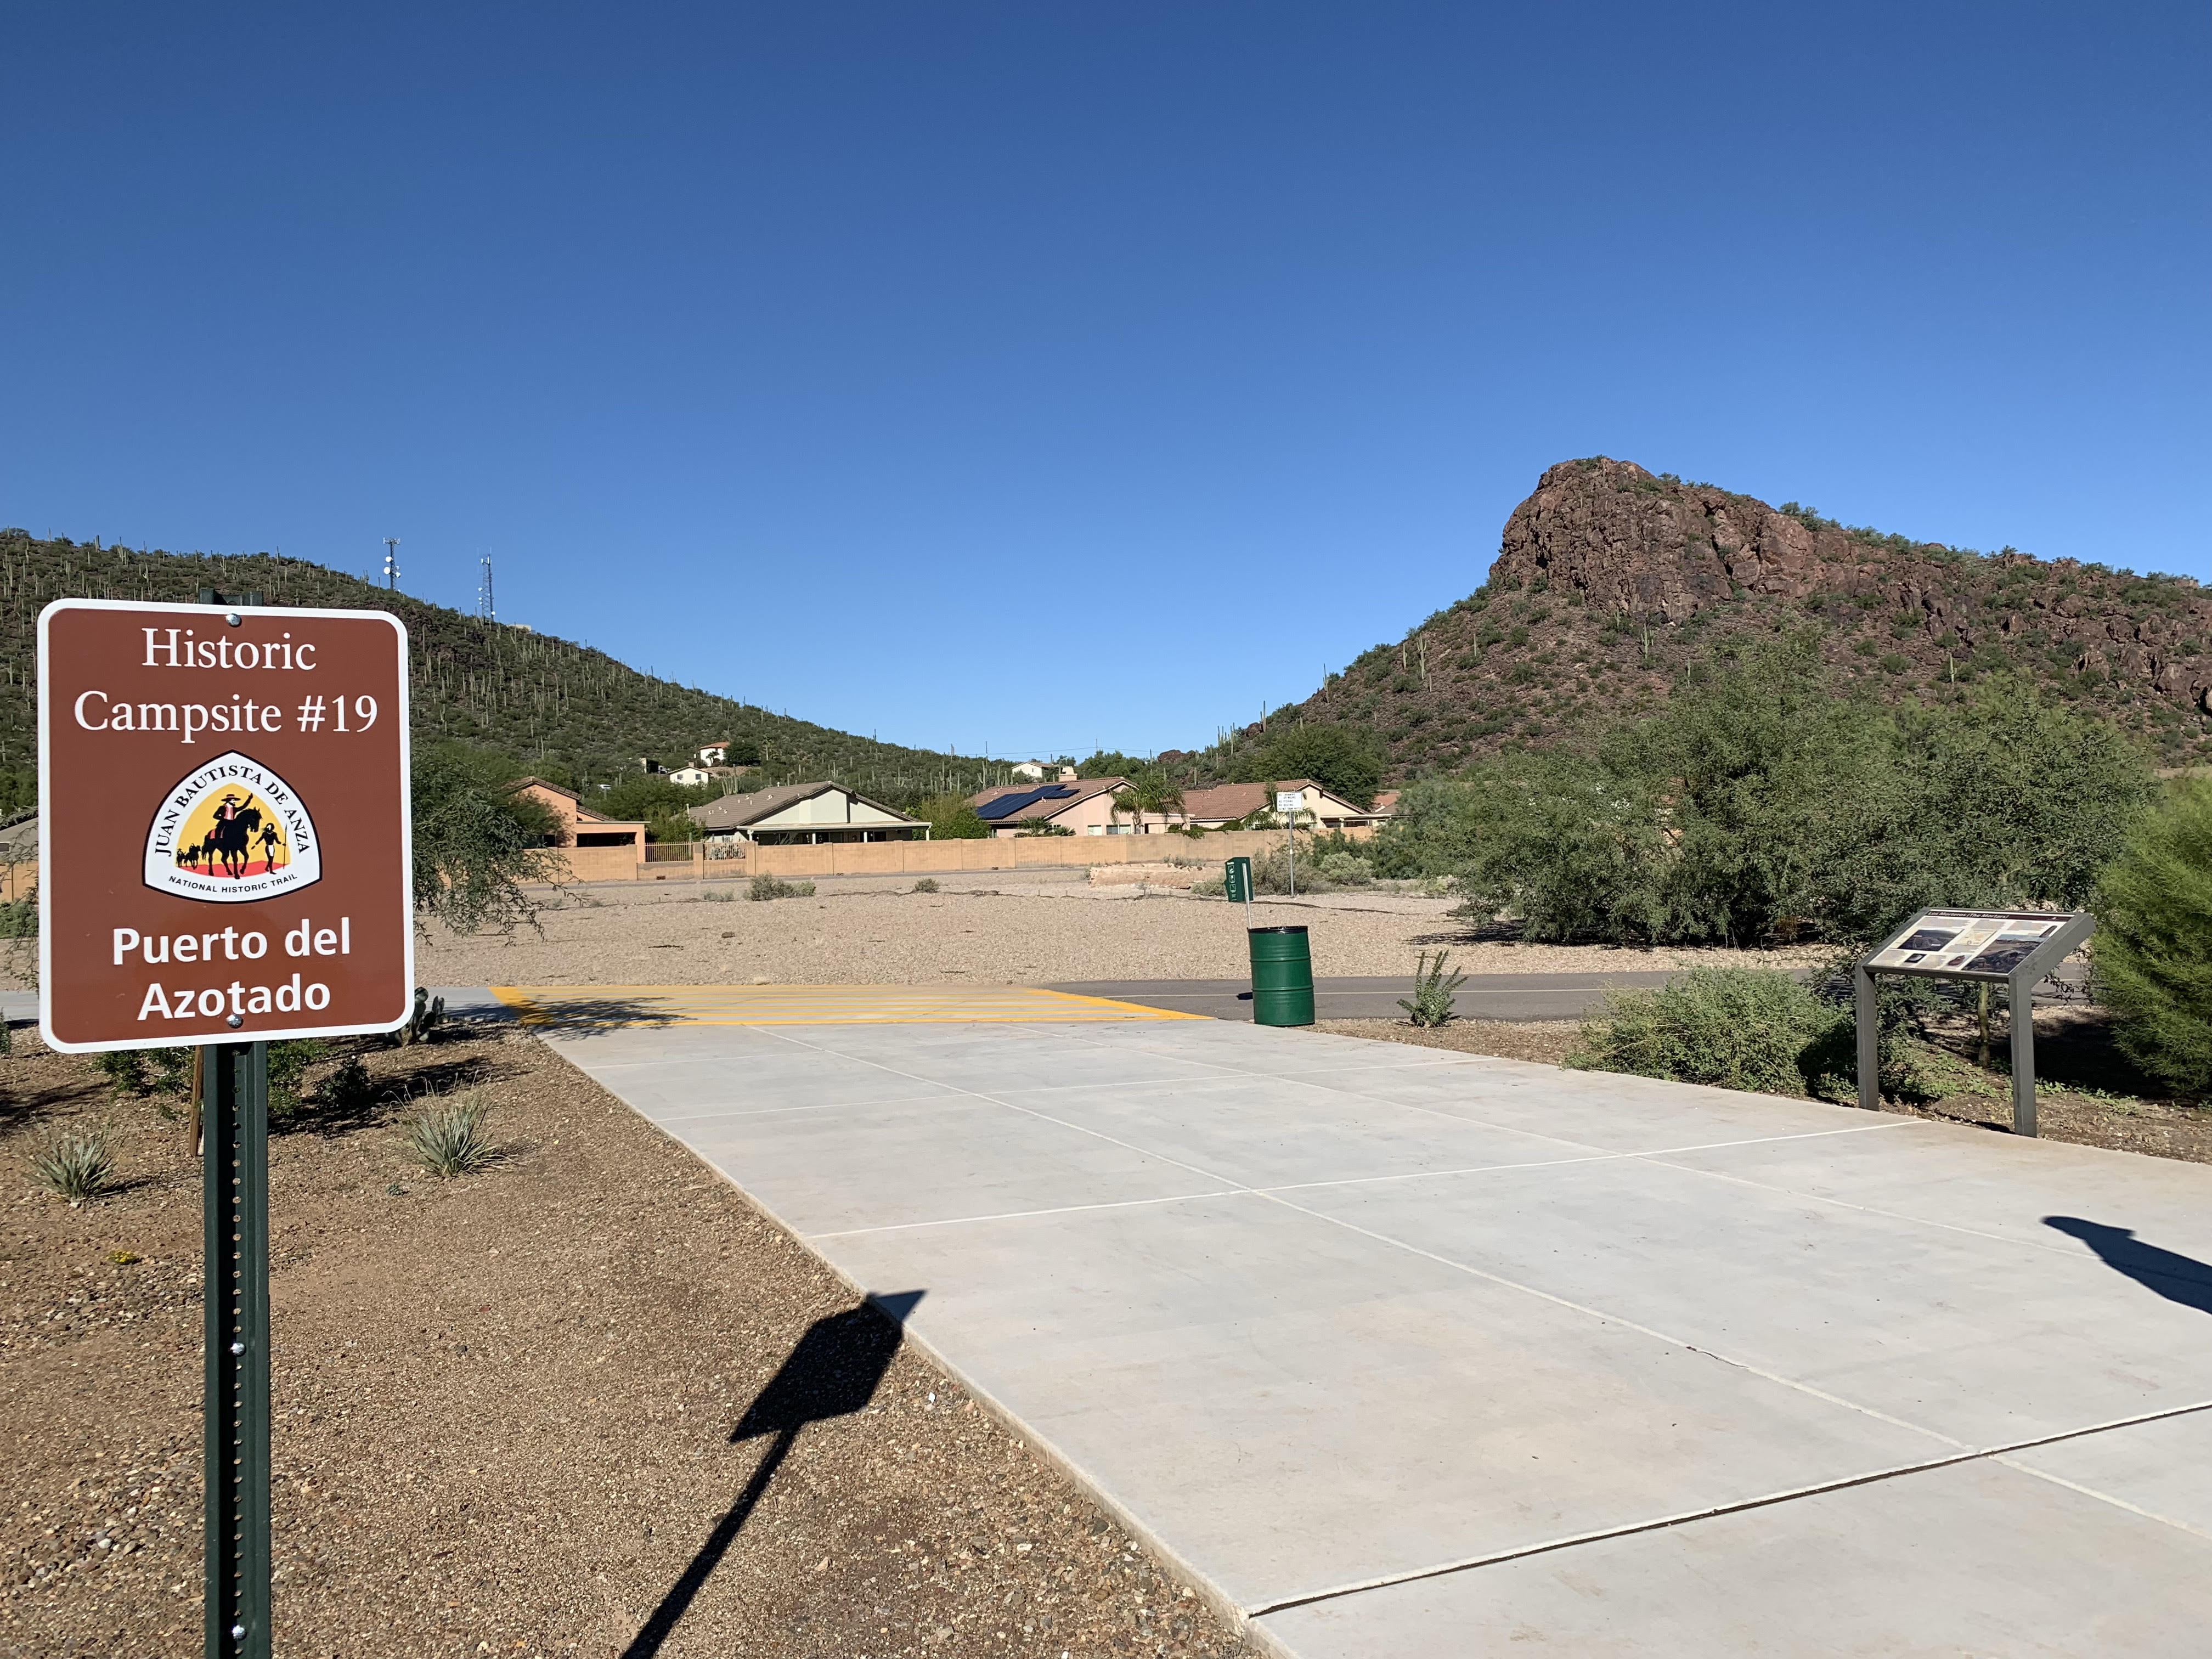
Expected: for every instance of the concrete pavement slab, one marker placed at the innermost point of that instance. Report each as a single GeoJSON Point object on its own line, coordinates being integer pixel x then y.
{"type": "Point", "coordinates": [2162, 1469]}
{"type": "Point", "coordinates": [1600, 1109]}
{"type": "Point", "coordinates": [1219, 1271]}
{"type": "Point", "coordinates": [2007, 1186]}
{"type": "Point", "coordinates": [1978, 1560]}
{"type": "Point", "coordinates": [1296, 1406]}
{"type": "Point", "coordinates": [893, 1165]}
{"type": "Point", "coordinates": [1979, 1339]}
{"type": "Point", "coordinates": [1274, 1131]}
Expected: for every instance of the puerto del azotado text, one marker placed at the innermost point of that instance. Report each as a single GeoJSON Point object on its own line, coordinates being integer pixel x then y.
{"type": "Point", "coordinates": [174, 997]}
{"type": "Point", "coordinates": [245, 768]}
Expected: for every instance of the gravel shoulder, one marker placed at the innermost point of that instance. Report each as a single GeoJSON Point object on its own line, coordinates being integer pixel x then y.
{"type": "Point", "coordinates": [505, 1408]}
{"type": "Point", "coordinates": [1044, 935]}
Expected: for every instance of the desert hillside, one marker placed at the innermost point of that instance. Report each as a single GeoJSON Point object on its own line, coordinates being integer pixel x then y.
{"type": "Point", "coordinates": [1611, 583]}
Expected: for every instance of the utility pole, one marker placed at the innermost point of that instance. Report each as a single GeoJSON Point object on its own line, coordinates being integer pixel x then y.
{"type": "Point", "coordinates": [392, 562]}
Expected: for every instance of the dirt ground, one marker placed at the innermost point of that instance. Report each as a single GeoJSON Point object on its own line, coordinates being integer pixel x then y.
{"type": "Point", "coordinates": [1545, 1041]}
{"type": "Point", "coordinates": [525, 1412]}
{"type": "Point", "coordinates": [882, 935]}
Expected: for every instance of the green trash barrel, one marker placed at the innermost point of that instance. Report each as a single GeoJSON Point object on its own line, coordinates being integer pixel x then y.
{"type": "Point", "coordinates": [1282, 977]}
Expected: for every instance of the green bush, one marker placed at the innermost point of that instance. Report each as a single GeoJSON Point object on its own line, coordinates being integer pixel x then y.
{"type": "Point", "coordinates": [926, 885]}
{"type": "Point", "coordinates": [2152, 957]}
{"type": "Point", "coordinates": [288, 1069]}
{"type": "Point", "coordinates": [477, 841]}
{"type": "Point", "coordinates": [1733, 1028]}
{"type": "Point", "coordinates": [951, 819]}
{"type": "Point", "coordinates": [1345, 760]}
{"type": "Point", "coordinates": [125, 1070]}
{"type": "Point", "coordinates": [765, 888]}
{"type": "Point", "coordinates": [1763, 804]}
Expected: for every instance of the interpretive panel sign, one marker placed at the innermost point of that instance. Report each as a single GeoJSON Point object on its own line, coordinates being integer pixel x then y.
{"type": "Point", "coordinates": [223, 829]}
{"type": "Point", "coordinates": [1972, 944]}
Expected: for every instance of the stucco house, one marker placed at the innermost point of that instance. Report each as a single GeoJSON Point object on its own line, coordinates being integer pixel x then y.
{"type": "Point", "coordinates": [1082, 806]}
{"type": "Point", "coordinates": [580, 825]}
{"type": "Point", "coordinates": [804, 814]}
{"type": "Point", "coordinates": [1227, 803]}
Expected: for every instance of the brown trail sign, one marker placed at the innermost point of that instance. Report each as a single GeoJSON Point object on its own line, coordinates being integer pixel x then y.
{"type": "Point", "coordinates": [223, 825]}
{"type": "Point", "coordinates": [226, 855]}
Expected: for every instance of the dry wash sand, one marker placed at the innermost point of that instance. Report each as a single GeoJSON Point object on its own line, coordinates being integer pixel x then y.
{"type": "Point", "coordinates": [880, 937]}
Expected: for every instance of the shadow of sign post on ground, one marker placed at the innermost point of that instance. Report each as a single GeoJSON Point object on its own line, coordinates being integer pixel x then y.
{"type": "Point", "coordinates": [2176, 1277]}
{"type": "Point", "coordinates": [833, 1372]}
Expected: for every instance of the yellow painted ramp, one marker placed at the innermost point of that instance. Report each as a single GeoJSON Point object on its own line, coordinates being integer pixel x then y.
{"type": "Point", "coordinates": [602, 1007]}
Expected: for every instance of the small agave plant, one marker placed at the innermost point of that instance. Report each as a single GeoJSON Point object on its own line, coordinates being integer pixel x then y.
{"type": "Point", "coordinates": [76, 1164]}
{"type": "Point", "coordinates": [446, 1136]}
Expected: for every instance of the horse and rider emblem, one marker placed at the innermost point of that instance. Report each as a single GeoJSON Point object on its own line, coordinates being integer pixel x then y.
{"type": "Point", "coordinates": [231, 831]}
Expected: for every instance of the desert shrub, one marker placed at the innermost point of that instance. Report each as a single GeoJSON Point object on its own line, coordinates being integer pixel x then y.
{"type": "Point", "coordinates": [1763, 804]}
{"type": "Point", "coordinates": [926, 885]}
{"type": "Point", "coordinates": [1734, 1028]}
{"type": "Point", "coordinates": [765, 888]}
{"type": "Point", "coordinates": [126, 1071]}
{"type": "Point", "coordinates": [1273, 872]}
{"type": "Point", "coordinates": [19, 918]}
{"type": "Point", "coordinates": [136, 1073]}
{"type": "Point", "coordinates": [1345, 869]}
{"type": "Point", "coordinates": [659, 803]}
{"type": "Point", "coordinates": [477, 841]}
{"type": "Point", "coordinates": [446, 1135]}
{"type": "Point", "coordinates": [2152, 959]}
{"type": "Point", "coordinates": [951, 819]}
{"type": "Point", "coordinates": [76, 1164]}
{"type": "Point", "coordinates": [288, 1069]}
{"type": "Point", "coordinates": [1345, 760]}
{"type": "Point", "coordinates": [1431, 1004]}
{"type": "Point", "coordinates": [718, 896]}
{"type": "Point", "coordinates": [347, 1088]}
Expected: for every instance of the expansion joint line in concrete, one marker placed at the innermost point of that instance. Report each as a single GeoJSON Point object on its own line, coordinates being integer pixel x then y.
{"type": "Point", "coordinates": [2000, 1454]}
{"type": "Point", "coordinates": [1664, 1152]}
{"type": "Point", "coordinates": [1240, 1190]}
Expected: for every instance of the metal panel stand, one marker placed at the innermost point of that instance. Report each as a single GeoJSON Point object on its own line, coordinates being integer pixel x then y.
{"type": "Point", "coordinates": [1869, 1068]}
{"type": "Point", "coordinates": [2020, 1010]}
{"type": "Point", "coordinates": [234, 1170]}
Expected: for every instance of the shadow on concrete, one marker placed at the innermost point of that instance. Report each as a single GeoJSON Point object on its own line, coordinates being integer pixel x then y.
{"type": "Point", "coordinates": [833, 1372]}
{"type": "Point", "coordinates": [2177, 1278]}
{"type": "Point", "coordinates": [588, 1015]}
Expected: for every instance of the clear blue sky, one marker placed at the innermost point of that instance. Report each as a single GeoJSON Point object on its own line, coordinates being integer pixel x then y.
{"type": "Point", "coordinates": [1040, 374]}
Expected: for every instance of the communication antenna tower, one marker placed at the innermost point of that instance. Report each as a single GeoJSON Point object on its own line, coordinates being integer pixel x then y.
{"type": "Point", "coordinates": [392, 562]}
{"type": "Point", "coordinates": [485, 608]}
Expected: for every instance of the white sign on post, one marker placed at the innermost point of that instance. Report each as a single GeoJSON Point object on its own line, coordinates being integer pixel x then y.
{"type": "Point", "coordinates": [1288, 800]}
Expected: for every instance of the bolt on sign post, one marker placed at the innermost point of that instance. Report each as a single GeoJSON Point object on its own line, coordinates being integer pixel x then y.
{"type": "Point", "coordinates": [1288, 804]}
{"type": "Point", "coordinates": [2017, 948]}
{"type": "Point", "coordinates": [225, 854]}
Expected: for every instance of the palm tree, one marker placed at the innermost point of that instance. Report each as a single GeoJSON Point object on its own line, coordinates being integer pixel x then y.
{"type": "Point", "coordinates": [1150, 793]}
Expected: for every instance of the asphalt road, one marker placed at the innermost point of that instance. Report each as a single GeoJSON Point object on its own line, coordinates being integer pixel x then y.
{"type": "Point", "coordinates": [1484, 996]}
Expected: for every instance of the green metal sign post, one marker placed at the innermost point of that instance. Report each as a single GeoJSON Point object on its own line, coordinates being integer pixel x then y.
{"type": "Point", "coordinates": [234, 1107]}
{"type": "Point", "coordinates": [1237, 884]}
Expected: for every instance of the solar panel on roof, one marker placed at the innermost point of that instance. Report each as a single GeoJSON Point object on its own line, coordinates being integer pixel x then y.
{"type": "Point", "coordinates": [1055, 792]}
{"type": "Point", "coordinates": [1006, 805]}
